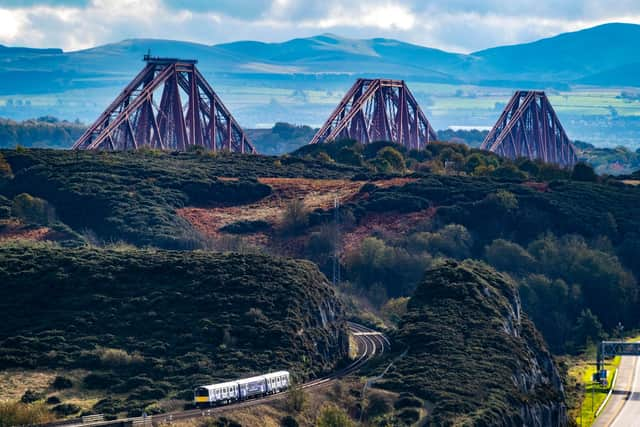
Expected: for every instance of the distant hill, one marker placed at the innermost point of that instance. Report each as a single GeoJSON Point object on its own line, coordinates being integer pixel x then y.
{"type": "Point", "coordinates": [566, 58]}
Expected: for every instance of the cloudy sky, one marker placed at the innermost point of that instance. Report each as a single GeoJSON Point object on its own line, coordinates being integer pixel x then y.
{"type": "Point", "coordinates": [458, 25]}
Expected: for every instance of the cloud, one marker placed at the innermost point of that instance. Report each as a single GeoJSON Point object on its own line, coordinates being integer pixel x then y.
{"type": "Point", "coordinates": [460, 25]}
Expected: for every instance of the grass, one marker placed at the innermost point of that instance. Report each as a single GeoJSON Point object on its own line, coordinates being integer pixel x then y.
{"type": "Point", "coordinates": [594, 393]}
{"type": "Point", "coordinates": [15, 413]}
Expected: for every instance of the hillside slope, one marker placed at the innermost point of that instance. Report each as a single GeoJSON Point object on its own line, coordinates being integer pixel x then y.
{"type": "Point", "coordinates": [472, 354]}
{"type": "Point", "coordinates": [567, 56]}
{"type": "Point", "coordinates": [173, 320]}
{"type": "Point", "coordinates": [134, 196]}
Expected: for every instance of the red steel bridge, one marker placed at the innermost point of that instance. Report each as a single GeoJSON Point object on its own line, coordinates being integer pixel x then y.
{"type": "Point", "coordinates": [529, 127]}
{"type": "Point", "coordinates": [150, 113]}
{"type": "Point", "coordinates": [378, 110]}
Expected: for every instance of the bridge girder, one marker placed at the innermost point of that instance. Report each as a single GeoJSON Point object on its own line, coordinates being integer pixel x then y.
{"type": "Point", "coordinates": [529, 127]}
{"type": "Point", "coordinates": [169, 106]}
{"type": "Point", "coordinates": [378, 110]}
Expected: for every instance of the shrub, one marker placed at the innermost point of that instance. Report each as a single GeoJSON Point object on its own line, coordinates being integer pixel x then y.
{"type": "Point", "coordinates": [408, 401]}
{"type": "Point", "coordinates": [117, 357]}
{"type": "Point", "coordinates": [100, 380]}
{"type": "Point", "coordinates": [409, 416]}
{"type": "Point", "coordinates": [289, 421]}
{"type": "Point", "coordinates": [66, 409]}
{"type": "Point", "coordinates": [147, 393]}
{"type": "Point", "coordinates": [60, 383]}
{"type": "Point", "coordinates": [246, 227]}
{"type": "Point", "coordinates": [295, 217]}
{"type": "Point", "coordinates": [333, 416]}
{"type": "Point", "coordinates": [109, 406]}
{"type": "Point", "coordinates": [53, 400]}
{"type": "Point", "coordinates": [509, 172]}
{"type": "Point", "coordinates": [135, 382]}
{"type": "Point", "coordinates": [377, 406]}
{"type": "Point", "coordinates": [31, 396]}
{"type": "Point", "coordinates": [392, 158]}
{"type": "Point", "coordinates": [32, 209]}
{"type": "Point", "coordinates": [296, 399]}
{"type": "Point", "coordinates": [583, 172]}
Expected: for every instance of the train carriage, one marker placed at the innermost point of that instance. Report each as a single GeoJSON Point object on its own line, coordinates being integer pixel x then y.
{"type": "Point", "coordinates": [247, 388]}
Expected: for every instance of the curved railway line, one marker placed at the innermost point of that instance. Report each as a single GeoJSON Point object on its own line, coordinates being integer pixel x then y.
{"type": "Point", "coordinates": [370, 344]}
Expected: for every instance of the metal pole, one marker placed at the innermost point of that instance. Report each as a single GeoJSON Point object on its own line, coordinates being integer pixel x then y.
{"type": "Point", "coordinates": [592, 393]}
{"type": "Point", "coordinates": [336, 243]}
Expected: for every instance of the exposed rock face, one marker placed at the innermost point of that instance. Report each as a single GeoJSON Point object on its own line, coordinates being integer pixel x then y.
{"type": "Point", "coordinates": [473, 355]}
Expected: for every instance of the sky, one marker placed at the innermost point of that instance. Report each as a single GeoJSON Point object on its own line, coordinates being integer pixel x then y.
{"type": "Point", "coordinates": [453, 25]}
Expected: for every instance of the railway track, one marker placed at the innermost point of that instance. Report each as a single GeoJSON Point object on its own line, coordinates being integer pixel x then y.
{"type": "Point", "coordinates": [370, 344]}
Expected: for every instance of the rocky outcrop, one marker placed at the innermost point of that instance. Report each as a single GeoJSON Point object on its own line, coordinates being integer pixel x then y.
{"type": "Point", "coordinates": [473, 355]}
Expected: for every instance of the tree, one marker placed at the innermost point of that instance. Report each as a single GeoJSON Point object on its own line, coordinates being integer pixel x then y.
{"type": "Point", "coordinates": [508, 256]}
{"type": "Point", "coordinates": [588, 328]}
{"type": "Point", "coordinates": [332, 416]}
{"type": "Point", "coordinates": [583, 172]}
{"type": "Point", "coordinates": [395, 308]}
{"type": "Point", "coordinates": [453, 241]}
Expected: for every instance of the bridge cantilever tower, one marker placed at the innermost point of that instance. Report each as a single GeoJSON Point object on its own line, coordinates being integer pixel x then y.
{"type": "Point", "coordinates": [528, 127]}
{"type": "Point", "coordinates": [378, 110]}
{"type": "Point", "coordinates": [150, 113]}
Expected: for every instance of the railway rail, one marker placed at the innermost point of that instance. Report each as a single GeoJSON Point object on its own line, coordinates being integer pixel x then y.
{"type": "Point", "coordinates": [370, 344]}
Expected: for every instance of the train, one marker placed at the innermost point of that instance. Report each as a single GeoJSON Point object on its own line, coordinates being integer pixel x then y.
{"type": "Point", "coordinates": [243, 389]}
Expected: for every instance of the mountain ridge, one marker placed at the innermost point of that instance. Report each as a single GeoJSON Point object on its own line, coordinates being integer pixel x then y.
{"type": "Point", "coordinates": [564, 58]}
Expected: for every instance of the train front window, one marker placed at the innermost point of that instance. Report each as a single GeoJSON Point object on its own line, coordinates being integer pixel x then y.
{"type": "Point", "coordinates": [202, 392]}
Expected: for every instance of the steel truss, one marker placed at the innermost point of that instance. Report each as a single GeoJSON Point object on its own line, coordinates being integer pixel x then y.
{"type": "Point", "coordinates": [529, 127]}
{"type": "Point", "coordinates": [378, 110]}
{"type": "Point", "coordinates": [150, 113]}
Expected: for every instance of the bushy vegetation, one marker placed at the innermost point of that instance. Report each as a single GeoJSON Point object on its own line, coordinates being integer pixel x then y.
{"type": "Point", "coordinates": [512, 225]}
{"type": "Point", "coordinates": [472, 355]}
{"type": "Point", "coordinates": [133, 196]}
{"type": "Point", "coordinates": [158, 323]}
{"type": "Point", "coordinates": [569, 287]}
{"type": "Point", "coordinates": [61, 383]}
{"type": "Point", "coordinates": [332, 416]}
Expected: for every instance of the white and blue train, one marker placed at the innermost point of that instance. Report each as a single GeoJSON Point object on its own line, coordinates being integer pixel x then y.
{"type": "Point", "coordinates": [247, 388]}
